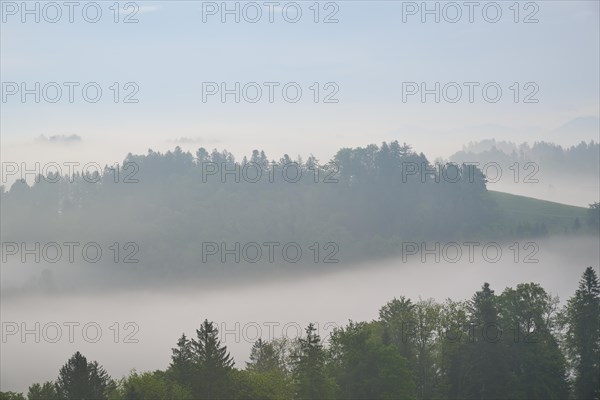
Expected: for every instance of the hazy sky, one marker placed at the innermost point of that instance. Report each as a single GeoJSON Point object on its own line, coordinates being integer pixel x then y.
{"type": "Point", "coordinates": [364, 61]}
{"type": "Point", "coordinates": [368, 54]}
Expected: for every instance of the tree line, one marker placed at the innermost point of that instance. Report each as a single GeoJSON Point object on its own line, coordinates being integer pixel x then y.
{"type": "Point", "coordinates": [518, 344]}
{"type": "Point", "coordinates": [366, 199]}
{"type": "Point", "coordinates": [582, 159]}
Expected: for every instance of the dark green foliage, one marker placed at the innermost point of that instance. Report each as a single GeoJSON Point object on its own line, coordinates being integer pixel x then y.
{"type": "Point", "coordinates": [45, 391]}
{"type": "Point", "coordinates": [151, 386]}
{"type": "Point", "coordinates": [507, 346]}
{"type": "Point", "coordinates": [252, 385]}
{"type": "Point", "coordinates": [11, 396]}
{"type": "Point", "coordinates": [212, 363]}
{"type": "Point", "coordinates": [582, 316]}
{"type": "Point", "coordinates": [528, 317]}
{"type": "Point", "coordinates": [182, 363]}
{"type": "Point", "coordinates": [267, 375]}
{"type": "Point", "coordinates": [202, 365]}
{"type": "Point", "coordinates": [366, 368]}
{"type": "Point", "coordinates": [264, 357]}
{"type": "Point", "coordinates": [78, 379]}
{"type": "Point", "coordinates": [309, 373]}
{"type": "Point", "coordinates": [399, 321]}
{"type": "Point", "coordinates": [490, 377]}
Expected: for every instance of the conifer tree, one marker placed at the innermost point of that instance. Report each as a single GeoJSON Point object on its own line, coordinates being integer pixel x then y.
{"type": "Point", "coordinates": [583, 336]}
{"type": "Point", "coordinates": [212, 363]}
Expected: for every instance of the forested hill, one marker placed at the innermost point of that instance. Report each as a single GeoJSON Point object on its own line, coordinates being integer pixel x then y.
{"type": "Point", "coordinates": [365, 200]}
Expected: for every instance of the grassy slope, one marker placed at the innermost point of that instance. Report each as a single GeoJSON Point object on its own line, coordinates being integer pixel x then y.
{"type": "Point", "coordinates": [526, 210]}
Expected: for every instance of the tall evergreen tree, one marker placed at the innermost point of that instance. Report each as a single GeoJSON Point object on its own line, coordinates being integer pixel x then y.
{"type": "Point", "coordinates": [309, 368]}
{"type": "Point", "coordinates": [490, 377]}
{"type": "Point", "coordinates": [181, 367]}
{"type": "Point", "coordinates": [212, 363]}
{"type": "Point", "coordinates": [78, 379]}
{"type": "Point", "coordinates": [583, 336]}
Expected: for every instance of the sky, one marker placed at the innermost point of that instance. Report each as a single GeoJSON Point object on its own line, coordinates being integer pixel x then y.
{"type": "Point", "coordinates": [367, 57]}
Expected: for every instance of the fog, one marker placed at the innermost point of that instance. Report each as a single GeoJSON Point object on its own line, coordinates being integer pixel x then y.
{"type": "Point", "coordinates": [277, 307]}
{"type": "Point", "coordinates": [186, 97]}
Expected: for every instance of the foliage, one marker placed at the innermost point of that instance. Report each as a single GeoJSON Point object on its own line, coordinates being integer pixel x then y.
{"type": "Point", "coordinates": [515, 345]}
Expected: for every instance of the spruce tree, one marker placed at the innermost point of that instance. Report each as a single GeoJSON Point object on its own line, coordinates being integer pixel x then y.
{"type": "Point", "coordinates": [583, 336]}
{"type": "Point", "coordinates": [212, 363]}
{"type": "Point", "coordinates": [181, 367]}
{"type": "Point", "coordinates": [486, 355]}
{"type": "Point", "coordinates": [78, 379]}
{"type": "Point", "coordinates": [309, 368]}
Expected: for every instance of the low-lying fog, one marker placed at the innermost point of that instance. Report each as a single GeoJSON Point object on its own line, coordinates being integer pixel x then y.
{"type": "Point", "coordinates": [157, 318]}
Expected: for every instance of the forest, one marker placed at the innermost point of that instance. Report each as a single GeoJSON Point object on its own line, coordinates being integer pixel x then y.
{"type": "Point", "coordinates": [358, 206]}
{"type": "Point", "coordinates": [518, 344]}
{"type": "Point", "coordinates": [582, 159]}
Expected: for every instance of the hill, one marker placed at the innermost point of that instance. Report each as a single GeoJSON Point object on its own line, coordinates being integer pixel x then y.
{"type": "Point", "coordinates": [524, 211]}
